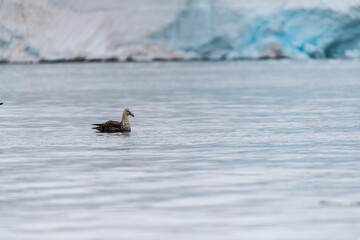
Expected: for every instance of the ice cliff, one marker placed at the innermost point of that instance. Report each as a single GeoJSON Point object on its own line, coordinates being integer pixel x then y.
{"type": "Point", "coordinates": [143, 30]}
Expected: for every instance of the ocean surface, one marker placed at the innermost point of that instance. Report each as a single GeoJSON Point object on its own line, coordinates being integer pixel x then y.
{"type": "Point", "coordinates": [218, 150]}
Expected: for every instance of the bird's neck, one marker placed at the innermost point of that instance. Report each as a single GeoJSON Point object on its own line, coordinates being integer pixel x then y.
{"type": "Point", "coordinates": [125, 118]}
{"type": "Point", "coordinates": [126, 123]}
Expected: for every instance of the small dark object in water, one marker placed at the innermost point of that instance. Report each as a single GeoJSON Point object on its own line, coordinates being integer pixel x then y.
{"type": "Point", "coordinates": [115, 126]}
{"type": "Point", "coordinates": [1, 103]}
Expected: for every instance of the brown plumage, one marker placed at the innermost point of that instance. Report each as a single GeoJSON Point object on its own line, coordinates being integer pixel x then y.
{"type": "Point", "coordinates": [115, 126]}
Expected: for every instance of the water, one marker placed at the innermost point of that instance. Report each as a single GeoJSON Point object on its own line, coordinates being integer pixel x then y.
{"type": "Point", "coordinates": [219, 150]}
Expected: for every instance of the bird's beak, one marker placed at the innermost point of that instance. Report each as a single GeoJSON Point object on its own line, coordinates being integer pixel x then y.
{"type": "Point", "coordinates": [131, 114]}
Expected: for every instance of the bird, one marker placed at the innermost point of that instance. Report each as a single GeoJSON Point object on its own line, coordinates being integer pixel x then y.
{"type": "Point", "coordinates": [1, 103]}
{"type": "Point", "coordinates": [115, 126]}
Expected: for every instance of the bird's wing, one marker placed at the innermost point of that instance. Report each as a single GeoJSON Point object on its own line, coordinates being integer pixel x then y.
{"type": "Point", "coordinates": [108, 126]}
{"type": "Point", "coordinates": [114, 124]}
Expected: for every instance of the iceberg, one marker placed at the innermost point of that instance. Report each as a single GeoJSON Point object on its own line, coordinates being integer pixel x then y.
{"type": "Point", "coordinates": [140, 30]}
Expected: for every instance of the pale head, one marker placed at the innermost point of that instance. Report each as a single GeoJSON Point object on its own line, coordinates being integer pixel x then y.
{"type": "Point", "coordinates": [127, 112]}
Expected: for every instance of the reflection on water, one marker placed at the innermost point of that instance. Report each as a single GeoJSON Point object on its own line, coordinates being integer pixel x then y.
{"type": "Point", "coordinates": [120, 134]}
{"type": "Point", "coordinates": [230, 150]}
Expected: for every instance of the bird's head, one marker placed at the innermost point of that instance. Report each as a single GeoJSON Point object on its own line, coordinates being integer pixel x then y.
{"type": "Point", "coordinates": [127, 112]}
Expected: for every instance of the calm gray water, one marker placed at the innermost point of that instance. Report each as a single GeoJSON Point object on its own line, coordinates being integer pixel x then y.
{"type": "Point", "coordinates": [222, 150]}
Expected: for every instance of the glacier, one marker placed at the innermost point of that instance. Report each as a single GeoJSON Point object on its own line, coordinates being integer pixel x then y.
{"type": "Point", "coordinates": [142, 30]}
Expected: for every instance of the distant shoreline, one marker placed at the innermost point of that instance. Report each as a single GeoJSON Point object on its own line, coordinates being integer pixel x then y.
{"type": "Point", "coordinates": [131, 60]}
